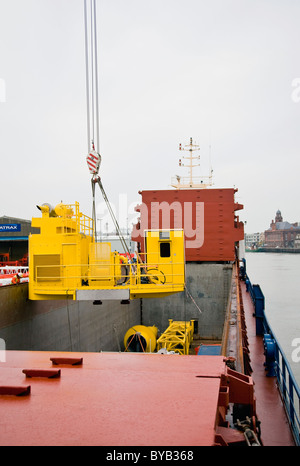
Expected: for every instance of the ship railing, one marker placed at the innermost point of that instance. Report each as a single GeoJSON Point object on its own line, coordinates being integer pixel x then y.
{"type": "Point", "coordinates": [8, 270]}
{"type": "Point", "coordinates": [197, 181]}
{"type": "Point", "coordinates": [290, 392]}
{"type": "Point", "coordinates": [85, 223]}
{"type": "Point", "coordinates": [71, 213]}
{"type": "Point", "coordinates": [109, 273]}
{"type": "Point", "coordinates": [276, 363]}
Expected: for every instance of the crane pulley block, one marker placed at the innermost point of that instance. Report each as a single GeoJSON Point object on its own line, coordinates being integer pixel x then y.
{"type": "Point", "coordinates": [93, 160]}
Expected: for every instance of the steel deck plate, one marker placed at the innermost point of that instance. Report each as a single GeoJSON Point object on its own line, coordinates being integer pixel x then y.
{"type": "Point", "coordinates": [111, 399]}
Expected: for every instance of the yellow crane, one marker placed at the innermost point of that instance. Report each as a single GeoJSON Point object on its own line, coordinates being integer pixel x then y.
{"type": "Point", "coordinates": [65, 261]}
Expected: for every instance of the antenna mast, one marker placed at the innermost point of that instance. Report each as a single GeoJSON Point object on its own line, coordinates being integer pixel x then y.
{"type": "Point", "coordinates": [191, 181]}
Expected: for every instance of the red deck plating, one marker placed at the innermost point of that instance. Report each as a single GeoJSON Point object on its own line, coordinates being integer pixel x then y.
{"type": "Point", "coordinates": [115, 399]}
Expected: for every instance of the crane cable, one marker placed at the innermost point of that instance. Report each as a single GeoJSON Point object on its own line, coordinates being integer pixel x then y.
{"type": "Point", "coordinates": [91, 69]}
{"type": "Point", "coordinates": [123, 242]}
{"type": "Point", "coordinates": [92, 98]}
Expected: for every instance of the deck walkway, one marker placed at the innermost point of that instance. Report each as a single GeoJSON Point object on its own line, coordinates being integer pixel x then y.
{"type": "Point", "coordinates": [275, 429]}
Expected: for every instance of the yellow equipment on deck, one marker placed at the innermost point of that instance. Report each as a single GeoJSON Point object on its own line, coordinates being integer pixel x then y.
{"type": "Point", "coordinates": [177, 337]}
{"type": "Point", "coordinates": [140, 339]}
{"type": "Point", "coordinates": [65, 262]}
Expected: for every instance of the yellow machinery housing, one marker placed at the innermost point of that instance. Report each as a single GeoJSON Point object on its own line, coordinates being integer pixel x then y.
{"type": "Point", "coordinates": [140, 339]}
{"type": "Point", "coordinates": [177, 337]}
{"type": "Point", "coordinates": [65, 262]}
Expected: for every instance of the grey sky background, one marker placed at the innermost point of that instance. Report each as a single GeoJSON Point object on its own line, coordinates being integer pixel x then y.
{"type": "Point", "coordinates": [225, 72]}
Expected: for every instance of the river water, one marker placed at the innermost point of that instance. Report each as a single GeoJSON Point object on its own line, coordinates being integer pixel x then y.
{"type": "Point", "coordinates": [278, 275]}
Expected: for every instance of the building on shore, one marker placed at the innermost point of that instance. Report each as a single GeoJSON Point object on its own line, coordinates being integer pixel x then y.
{"type": "Point", "coordinates": [282, 234]}
{"type": "Point", "coordinates": [254, 240]}
{"type": "Point", "coordinates": [14, 234]}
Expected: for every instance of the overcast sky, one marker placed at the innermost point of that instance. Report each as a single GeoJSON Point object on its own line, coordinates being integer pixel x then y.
{"type": "Point", "coordinates": [224, 72]}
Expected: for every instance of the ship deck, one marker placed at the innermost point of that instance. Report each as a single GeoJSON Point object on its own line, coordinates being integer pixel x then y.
{"type": "Point", "coordinates": [275, 430]}
{"type": "Point", "coordinates": [128, 399]}
{"type": "Point", "coordinates": [111, 399]}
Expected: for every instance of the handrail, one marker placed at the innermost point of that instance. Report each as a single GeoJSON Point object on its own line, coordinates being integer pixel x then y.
{"type": "Point", "coordinates": [70, 214]}
{"type": "Point", "coordinates": [142, 271]}
{"type": "Point", "coordinates": [277, 362]}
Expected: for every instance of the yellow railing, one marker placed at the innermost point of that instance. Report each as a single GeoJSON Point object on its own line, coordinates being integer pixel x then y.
{"type": "Point", "coordinates": [72, 217]}
{"type": "Point", "coordinates": [115, 274]}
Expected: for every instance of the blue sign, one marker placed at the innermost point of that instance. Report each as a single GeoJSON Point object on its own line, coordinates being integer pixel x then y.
{"type": "Point", "coordinates": [10, 227]}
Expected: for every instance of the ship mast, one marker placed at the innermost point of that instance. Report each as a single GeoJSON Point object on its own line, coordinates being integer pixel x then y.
{"type": "Point", "coordinates": [191, 181]}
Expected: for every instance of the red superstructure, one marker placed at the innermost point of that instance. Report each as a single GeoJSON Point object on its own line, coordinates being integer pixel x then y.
{"type": "Point", "coordinates": [207, 216]}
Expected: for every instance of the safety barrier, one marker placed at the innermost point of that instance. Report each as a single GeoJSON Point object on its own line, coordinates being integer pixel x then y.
{"type": "Point", "coordinates": [8, 270]}
{"type": "Point", "coordinates": [276, 362]}
{"type": "Point", "coordinates": [13, 275]}
{"type": "Point", "coordinates": [111, 273]}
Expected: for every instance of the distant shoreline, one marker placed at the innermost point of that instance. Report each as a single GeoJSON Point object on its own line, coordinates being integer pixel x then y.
{"type": "Point", "coordinates": [285, 250]}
